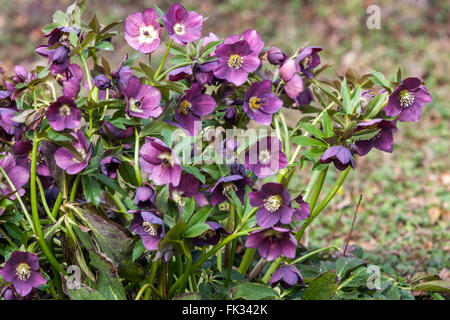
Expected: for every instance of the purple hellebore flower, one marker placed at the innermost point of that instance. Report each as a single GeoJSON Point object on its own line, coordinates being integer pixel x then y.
{"type": "Point", "coordinates": [407, 100]}
{"type": "Point", "coordinates": [21, 76]}
{"type": "Point", "coordinates": [109, 166]}
{"type": "Point", "coordinates": [303, 211]}
{"type": "Point", "coordinates": [142, 31]}
{"type": "Point", "coordinates": [59, 58]}
{"type": "Point", "coordinates": [204, 73]}
{"type": "Point", "coordinates": [293, 82]}
{"type": "Point", "coordinates": [71, 86]}
{"type": "Point", "coordinates": [72, 164]}
{"type": "Point", "coordinates": [8, 293]}
{"type": "Point", "coordinates": [341, 156]}
{"type": "Point", "coordinates": [276, 56]}
{"type": "Point", "coordinates": [383, 140]}
{"type": "Point", "coordinates": [112, 132]}
{"type": "Point", "coordinates": [6, 121]}
{"type": "Point", "coordinates": [180, 73]}
{"type": "Point", "coordinates": [307, 60]}
{"type": "Point", "coordinates": [231, 114]}
{"type": "Point", "coordinates": [102, 82]}
{"type": "Point", "coordinates": [160, 162]}
{"type": "Point", "coordinates": [63, 114]}
{"type": "Point", "coordinates": [145, 196]}
{"type": "Point", "coordinates": [304, 98]}
{"type": "Point", "coordinates": [210, 236]}
{"type": "Point", "coordinates": [192, 106]}
{"type": "Point", "coordinates": [122, 75]}
{"type": "Point", "coordinates": [265, 157]}
{"type": "Point", "coordinates": [260, 103]}
{"type": "Point", "coordinates": [149, 227]}
{"type": "Point", "coordinates": [142, 100]}
{"type": "Point", "coordinates": [220, 192]}
{"type": "Point", "coordinates": [22, 149]}
{"type": "Point", "coordinates": [237, 56]}
{"type": "Point", "coordinates": [227, 149]}
{"type": "Point", "coordinates": [22, 269]}
{"type": "Point", "coordinates": [272, 243]}
{"type": "Point", "coordinates": [187, 188]}
{"type": "Point", "coordinates": [18, 175]}
{"type": "Point", "coordinates": [287, 276]}
{"type": "Point", "coordinates": [183, 26]}
{"type": "Point", "coordinates": [274, 204]}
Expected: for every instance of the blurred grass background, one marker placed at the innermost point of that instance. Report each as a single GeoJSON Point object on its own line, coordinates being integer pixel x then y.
{"type": "Point", "coordinates": [405, 213]}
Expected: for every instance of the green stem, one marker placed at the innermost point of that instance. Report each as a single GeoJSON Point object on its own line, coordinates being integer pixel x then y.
{"type": "Point", "coordinates": [286, 134]}
{"type": "Point", "coordinates": [163, 60]}
{"type": "Point", "coordinates": [73, 192]}
{"type": "Point", "coordinates": [310, 254]}
{"type": "Point", "coordinates": [144, 287]}
{"type": "Point", "coordinates": [274, 266]}
{"type": "Point", "coordinates": [57, 204]}
{"type": "Point", "coordinates": [162, 76]}
{"type": "Point", "coordinates": [5, 236]}
{"type": "Point", "coordinates": [318, 188]}
{"type": "Point", "coordinates": [246, 260]}
{"type": "Point", "coordinates": [137, 170]}
{"type": "Point", "coordinates": [43, 200]}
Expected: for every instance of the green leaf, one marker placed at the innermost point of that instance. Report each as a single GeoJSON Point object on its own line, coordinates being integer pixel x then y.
{"type": "Point", "coordinates": [155, 128]}
{"type": "Point", "coordinates": [84, 293]}
{"type": "Point", "coordinates": [375, 105]}
{"type": "Point", "coordinates": [105, 45]}
{"type": "Point", "coordinates": [380, 79]}
{"type": "Point", "coordinates": [91, 190]}
{"type": "Point", "coordinates": [254, 291]}
{"type": "Point", "coordinates": [173, 239]}
{"type": "Point", "coordinates": [110, 287]}
{"type": "Point", "coordinates": [188, 209]}
{"type": "Point", "coordinates": [344, 264]}
{"type": "Point", "coordinates": [111, 183]}
{"type": "Point", "coordinates": [200, 216]}
{"type": "Point", "coordinates": [307, 141]}
{"type": "Point", "coordinates": [345, 93]}
{"type": "Point", "coordinates": [162, 199]}
{"type": "Point", "coordinates": [364, 135]}
{"type": "Point", "coordinates": [73, 37]}
{"type": "Point", "coordinates": [138, 250]}
{"type": "Point", "coordinates": [327, 125]}
{"type": "Point", "coordinates": [435, 286]}
{"type": "Point", "coordinates": [195, 172]}
{"type": "Point", "coordinates": [312, 129]}
{"type": "Point", "coordinates": [321, 288]}
{"type": "Point", "coordinates": [195, 231]}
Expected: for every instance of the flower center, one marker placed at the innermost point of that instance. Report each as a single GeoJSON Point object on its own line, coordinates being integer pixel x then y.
{"type": "Point", "coordinates": [406, 98]}
{"type": "Point", "coordinates": [273, 203]}
{"type": "Point", "coordinates": [23, 271]}
{"type": "Point", "coordinates": [208, 234]}
{"type": "Point", "coordinates": [255, 103]}
{"type": "Point", "coordinates": [264, 157]}
{"type": "Point", "coordinates": [227, 187]}
{"type": "Point", "coordinates": [306, 63]}
{"type": "Point", "coordinates": [147, 34]}
{"type": "Point", "coordinates": [136, 105]}
{"type": "Point", "coordinates": [185, 107]}
{"type": "Point", "coordinates": [178, 198]}
{"type": "Point", "coordinates": [179, 29]}
{"type": "Point", "coordinates": [64, 110]}
{"type": "Point", "coordinates": [166, 159]}
{"type": "Point", "coordinates": [235, 61]}
{"type": "Point", "coordinates": [151, 228]}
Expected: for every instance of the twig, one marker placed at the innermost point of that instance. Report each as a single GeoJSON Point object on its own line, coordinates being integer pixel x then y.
{"type": "Point", "coordinates": [353, 224]}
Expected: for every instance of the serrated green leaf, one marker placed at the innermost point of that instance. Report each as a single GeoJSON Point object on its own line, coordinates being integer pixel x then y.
{"type": "Point", "coordinates": [307, 141]}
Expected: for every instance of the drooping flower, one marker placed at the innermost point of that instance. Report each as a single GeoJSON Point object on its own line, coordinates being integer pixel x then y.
{"type": "Point", "coordinates": [22, 269]}
{"type": "Point", "coordinates": [307, 60]}
{"type": "Point", "coordinates": [109, 130]}
{"type": "Point", "coordinates": [160, 162]}
{"type": "Point", "coordinates": [109, 166]}
{"type": "Point", "coordinates": [220, 192]}
{"type": "Point", "coordinates": [18, 175]}
{"type": "Point", "coordinates": [22, 149]}
{"type": "Point", "coordinates": [210, 236]}
{"type": "Point", "coordinates": [6, 122]}
{"type": "Point", "coordinates": [341, 157]}
{"type": "Point", "coordinates": [192, 106]}
{"type": "Point", "coordinates": [272, 243]}
{"type": "Point", "coordinates": [276, 56]}
{"type": "Point", "coordinates": [383, 140]}
{"type": "Point", "coordinates": [149, 227]}
{"type": "Point", "coordinates": [304, 98]}
{"type": "Point", "coordinates": [143, 31]}
{"type": "Point", "coordinates": [274, 204]}
{"type": "Point", "coordinates": [293, 82]}
{"type": "Point", "coordinates": [63, 114]}
{"type": "Point", "coordinates": [58, 58]}
{"type": "Point", "coordinates": [122, 75]}
{"type": "Point", "coordinates": [142, 100]}
{"type": "Point", "coordinates": [71, 86]}
{"type": "Point", "coordinates": [303, 211]}
{"type": "Point", "coordinates": [265, 157]}
{"type": "Point", "coordinates": [102, 82]}
{"type": "Point", "coordinates": [287, 276]}
{"type": "Point", "coordinates": [407, 100]}
{"type": "Point", "coordinates": [71, 163]}
{"type": "Point", "coordinates": [260, 103]}
{"type": "Point", "coordinates": [183, 26]}
{"type": "Point", "coordinates": [237, 56]}
{"type": "Point", "coordinates": [188, 187]}
{"type": "Point", "coordinates": [145, 197]}
{"type": "Point", "coordinates": [21, 76]}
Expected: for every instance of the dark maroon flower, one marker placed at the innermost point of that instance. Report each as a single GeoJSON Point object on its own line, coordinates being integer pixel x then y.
{"type": "Point", "coordinates": [276, 56]}
{"type": "Point", "coordinates": [204, 73]}
{"type": "Point", "coordinates": [18, 175]}
{"type": "Point", "coordinates": [383, 140]}
{"type": "Point", "coordinates": [6, 122]}
{"type": "Point", "coordinates": [231, 114]}
{"type": "Point", "coordinates": [210, 236]}
{"type": "Point", "coordinates": [407, 100]}
{"type": "Point", "coordinates": [122, 75]}
{"type": "Point", "coordinates": [304, 98]}
{"type": "Point", "coordinates": [307, 60]}
{"type": "Point", "coordinates": [149, 227]}
{"type": "Point", "coordinates": [8, 293]}
{"type": "Point", "coordinates": [59, 58]}
{"type": "Point", "coordinates": [72, 164]}
{"type": "Point", "coordinates": [63, 114]}
{"type": "Point", "coordinates": [287, 276]}
{"type": "Point", "coordinates": [145, 197]}
{"type": "Point", "coordinates": [187, 188]}
{"type": "Point", "coordinates": [272, 243]}
{"type": "Point", "coordinates": [142, 100]}
{"type": "Point", "coordinates": [274, 204]}
{"type": "Point", "coordinates": [341, 156]}
{"type": "Point", "coordinates": [192, 106]}
{"type": "Point", "coordinates": [303, 211]}
{"type": "Point", "coordinates": [220, 192]}
{"type": "Point", "coordinates": [180, 73]}
{"type": "Point", "coordinates": [22, 269]}
{"type": "Point", "coordinates": [260, 103]}
{"type": "Point", "coordinates": [142, 31]}
{"type": "Point", "coordinates": [112, 132]}
{"type": "Point", "coordinates": [109, 166]}
{"type": "Point", "coordinates": [265, 157]}
{"type": "Point", "coordinates": [160, 162]}
{"type": "Point", "coordinates": [183, 26]}
{"type": "Point", "coordinates": [71, 86]}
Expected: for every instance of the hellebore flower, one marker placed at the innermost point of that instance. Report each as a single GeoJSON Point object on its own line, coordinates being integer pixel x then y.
{"type": "Point", "coordinates": [383, 140]}
{"type": "Point", "coordinates": [272, 243]}
{"type": "Point", "coordinates": [183, 26]}
{"type": "Point", "coordinates": [231, 114]}
{"type": "Point", "coordinates": [180, 73]}
{"type": "Point", "coordinates": [18, 175]}
{"type": "Point", "coordinates": [210, 236]}
{"type": "Point", "coordinates": [341, 156]}
{"type": "Point", "coordinates": [72, 164]}
{"type": "Point", "coordinates": [122, 75]}
{"type": "Point", "coordinates": [407, 100]}
{"type": "Point", "coordinates": [307, 60]}
{"type": "Point", "coordinates": [187, 188]}
{"type": "Point", "coordinates": [112, 132]}
{"type": "Point", "coordinates": [21, 76]}
{"type": "Point", "coordinates": [204, 73]}
{"type": "Point", "coordinates": [149, 227]}
{"type": "Point", "coordinates": [274, 204]}
{"type": "Point", "coordinates": [265, 157]}
{"type": "Point", "coordinates": [145, 197]}
{"type": "Point", "coordinates": [276, 56]}
{"type": "Point", "coordinates": [260, 103]}
{"type": "Point", "coordinates": [304, 98]}
{"type": "Point", "coordinates": [287, 276]}
{"type": "Point", "coordinates": [63, 114]}
{"type": "Point", "coordinates": [142, 100]}
{"type": "Point", "coordinates": [71, 86]}
{"type": "Point", "coordinates": [160, 162]}
{"type": "Point", "coordinates": [303, 211]}
{"type": "Point", "coordinates": [109, 166]}
{"type": "Point", "coordinates": [102, 82]}
{"type": "Point", "coordinates": [221, 191]}
{"type": "Point", "coordinates": [22, 149]}
{"type": "Point", "coordinates": [59, 58]}
{"type": "Point", "coordinates": [237, 56]}
{"type": "Point", "coordinates": [6, 121]}
{"type": "Point", "coordinates": [142, 31]}
{"type": "Point", "coordinates": [22, 269]}
{"type": "Point", "coordinates": [192, 106]}
{"type": "Point", "coordinates": [293, 82]}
